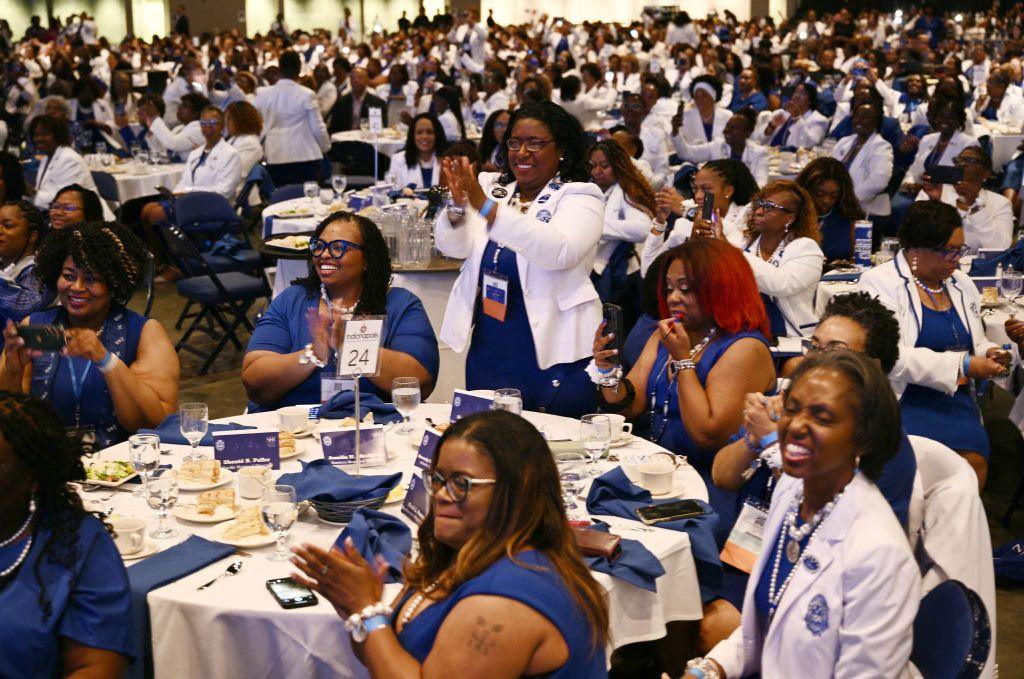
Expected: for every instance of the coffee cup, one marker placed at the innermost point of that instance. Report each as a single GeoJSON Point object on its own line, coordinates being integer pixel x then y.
{"type": "Point", "coordinates": [129, 534]}
{"type": "Point", "coordinates": [293, 419]}
{"type": "Point", "coordinates": [619, 426]}
{"type": "Point", "coordinates": [657, 473]}
{"type": "Point", "coordinates": [252, 481]}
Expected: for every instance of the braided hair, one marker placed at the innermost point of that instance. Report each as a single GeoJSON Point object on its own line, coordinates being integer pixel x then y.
{"type": "Point", "coordinates": [107, 250]}
{"type": "Point", "coordinates": [50, 458]}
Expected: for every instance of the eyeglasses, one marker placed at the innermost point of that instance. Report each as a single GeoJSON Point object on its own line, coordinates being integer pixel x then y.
{"type": "Point", "coordinates": [768, 206]}
{"type": "Point", "coordinates": [810, 346]}
{"type": "Point", "coordinates": [531, 145]}
{"type": "Point", "coordinates": [966, 160]}
{"type": "Point", "coordinates": [336, 248]}
{"type": "Point", "coordinates": [952, 254]}
{"type": "Point", "coordinates": [457, 485]}
{"type": "Point", "coordinates": [209, 123]}
{"type": "Point", "coordinates": [64, 207]}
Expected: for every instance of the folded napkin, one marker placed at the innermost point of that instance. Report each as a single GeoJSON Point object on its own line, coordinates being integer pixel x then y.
{"type": "Point", "coordinates": [842, 276]}
{"type": "Point", "coordinates": [343, 404]}
{"type": "Point", "coordinates": [170, 431]}
{"type": "Point", "coordinates": [612, 494]}
{"type": "Point", "coordinates": [376, 534]}
{"type": "Point", "coordinates": [635, 564]}
{"type": "Point", "coordinates": [156, 571]}
{"type": "Point", "coordinates": [319, 480]}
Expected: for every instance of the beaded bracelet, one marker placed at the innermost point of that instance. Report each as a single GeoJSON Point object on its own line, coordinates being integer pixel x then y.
{"type": "Point", "coordinates": [362, 623]}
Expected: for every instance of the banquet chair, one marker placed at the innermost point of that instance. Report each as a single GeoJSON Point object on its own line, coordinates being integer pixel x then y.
{"type": "Point", "coordinates": [952, 636]}
{"type": "Point", "coordinates": [224, 299]}
{"type": "Point", "coordinates": [259, 181]}
{"type": "Point", "coordinates": [950, 535]}
{"type": "Point", "coordinates": [107, 187]}
{"type": "Point", "coordinates": [286, 192]}
{"type": "Point", "coordinates": [354, 159]}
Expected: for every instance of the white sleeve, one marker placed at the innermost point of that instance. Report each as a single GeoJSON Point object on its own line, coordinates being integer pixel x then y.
{"type": "Point", "coordinates": [800, 269]}
{"type": "Point", "coordinates": [317, 125]}
{"type": "Point", "coordinates": [456, 241]}
{"type": "Point", "coordinates": [182, 141]}
{"type": "Point", "coordinates": [633, 228]}
{"type": "Point", "coordinates": [880, 171]}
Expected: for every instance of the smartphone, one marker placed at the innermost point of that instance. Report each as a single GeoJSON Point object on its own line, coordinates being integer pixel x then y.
{"type": "Point", "coordinates": [614, 323]}
{"type": "Point", "coordinates": [944, 174]}
{"type": "Point", "coordinates": [669, 511]}
{"type": "Point", "coordinates": [291, 594]}
{"type": "Point", "coordinates": [609, 76]}
{"type": "Point", "coordinates": [43, 337]}
{"type": "Point", "coordinates": [707, 212]}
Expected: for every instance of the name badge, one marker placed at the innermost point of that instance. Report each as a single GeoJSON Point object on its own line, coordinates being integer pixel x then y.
{"type": "Point", "coordinates": [237, 449]}
{"type": "Point", "coordinates": [744, 543]}
{"type": "Point", "coordinates": [495, 295]}
{"type": "Point", "coordinates": [329, 386]}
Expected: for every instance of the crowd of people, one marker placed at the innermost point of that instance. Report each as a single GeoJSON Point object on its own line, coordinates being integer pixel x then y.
{"type": "Point", "coordinates": [639, 164]}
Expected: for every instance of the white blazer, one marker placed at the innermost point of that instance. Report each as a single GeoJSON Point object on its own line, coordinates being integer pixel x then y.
{"type": "Point", "coordinates": [294, 131]}
{"type": "Point", "coordinates": [755, 156]}
{"type": "Point", "coordinates": [988, 223]}
{"type": "Point", "coordinates": [957, 143]}
{"type": "Point", "coordinates": [893, 285]}
{"type": "Point", "coordinates": [733, 223]}
{"type": "Point", "coordinates": [656, 150]}
{"type": "Point", "coordinates": [848, 610]}
{"type": "Point", "coordinates": [1010, 111]}
{"type": "Point", "coordinates": [412, 175]}
{"type": "Point", "coordinates": [555, 259]}
{"type": "Point", "coordinates": [692, 129]}
{"type": "Point", "coordinates": [55, 172]}
{"type": "Point", "coordinates": [182, 139]}
{"type": "Point", "coordinates": [790, 280]}
{"type": "Point", "coordinates": [805, 132]}
{"type": "Point", "coordinates": [870, 171]}
{"type": "Point", "coordinates": [220, 172]}
{"type": "Point", "coordinates": [623, 221]}
{"type": "Point", "coordinates": [103, 113]}
{"type": "Point", "coordinates": [250, 151]}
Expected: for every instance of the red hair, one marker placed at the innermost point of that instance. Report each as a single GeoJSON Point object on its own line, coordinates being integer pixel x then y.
{"type": "Point", "coordinates": [723, 282]}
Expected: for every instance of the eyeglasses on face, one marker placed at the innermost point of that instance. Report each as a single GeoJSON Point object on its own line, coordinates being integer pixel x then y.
{"type": "Point", "coordinates": [336, 248]}
{"type": "Point", "coordinates": [952, 254]}
{"type": "Point", "coordinates": [457, 485]}
{"type": "Point", "coordinates": [531, 145]}
{"type": "Point", "coordinates": [961, 161]}
{"type": "Point", "coordinates": [810, 346]}
{"type": "Point", "coordinates": [769, 206]}
{"type": "Point", "coordinates": [64, 207]}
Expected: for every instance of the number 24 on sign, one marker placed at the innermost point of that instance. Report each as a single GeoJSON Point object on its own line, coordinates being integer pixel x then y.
{"type": "Point", "coordinates": [360, 349]}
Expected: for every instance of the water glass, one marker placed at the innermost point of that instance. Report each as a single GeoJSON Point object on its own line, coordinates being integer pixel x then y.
{"type": "Point", "coordinates": [596, 437]}
{"type": "Point", "coordinates": [571, 474]}
{"type": "Point", "coordinates": [510, 400]}
{"type": "Point", "coordinates": [162, 494]}
{"type": "Point", "coordinates": [339, 183]}
{"type": "Point", "coordinates": [194, 420]}
{"type": "Point", "coordinates": [144, 454]}
{"type": "Point", "coordinates": [1011, 285]}
{"type": "Point", "coordinates": [405, 394]}
{"type": "Point", "coordinates": [326, 197]}
{"type": "Point", "coordinates": [311, 190]}
{"type": "Point", "coordinates": [280, 510]}
{"type": "Point", "coordinates": [137, 153]}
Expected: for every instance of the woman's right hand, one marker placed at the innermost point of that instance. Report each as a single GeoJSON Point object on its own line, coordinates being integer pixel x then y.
{"type": "Point", "coordinates": [454, 180]}
{"type": "Point", "coordinates": [933, 191]}
{"type": "Point", "coordinates": [319, 322]}
{"type": "Point", "coordinates": [761, 414]}
{"type": "Point", "coordinates": [601, 353]}
{"type": "Point", "coordinates": [669, 199]}
{"type": "Point", "coordinates": [16, 355]}
{"type": "Point", "coordinates": [984, 368]}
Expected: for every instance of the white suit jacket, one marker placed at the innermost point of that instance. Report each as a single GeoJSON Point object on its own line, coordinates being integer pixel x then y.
{"type": "Point", "coordinates": [692, 129]}
{"type": "Point", "coordinates": [990, 225]}
{"type": "Point", "coordinates": [623, 221]}
{"type": "Point", "coordinates": [805, 132]}
{"type": "Point", "coordinates": [182, 139]}
{"type": "Point", "coordinates": [554, 259]}
{"type": "Point", "coordinates": [870, 171]}
{"type": "Point", "coordinates": [103, 113]}
{"type": "Point", "coordinates": [656, 151]}
{"type": "Point", "coordinates": [957, 143]}
{"type": "Point", "coordinates": [412, 175]}
{"type": "Point", "coordinates": [792, 281]}
{"type": "Point", "coordinates": [733, 223]}
{"type": "Point", "coordinates": [221, 172]}
{"type": "Point", "coordinates": [294, 131]}
{"type": "Point", "coordinates": [64, 167]}
{"type": "Point", "coordinates": [1010, 111]}
{"type": "Point", "coordinates": [848, 610]}
{"type": "Point", "coordinates": [250, 151]}
{"type": "Point", "coordinates": [893, 285]}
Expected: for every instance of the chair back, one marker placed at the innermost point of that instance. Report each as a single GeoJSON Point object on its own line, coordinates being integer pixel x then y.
{"type": "Point", "coordinates": [286, 192]}
{"type": "Point", "coordinates": [206, 212]}
{"type": "Point", "coordinates": [183, 253]}
{"type": "Point", "coordinates": [258, 180]}
{"type": "Point", "coordinates": [952, 636]}
{"type": "Point", "coordinates": [156, 81]}
{"type": "Point", "coordinates": [106, 185]}
{"type": "Point", "coordinates": [354, 159]}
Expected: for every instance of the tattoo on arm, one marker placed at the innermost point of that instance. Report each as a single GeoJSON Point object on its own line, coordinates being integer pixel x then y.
{"type": "Point", "coordinates": [482, 638]}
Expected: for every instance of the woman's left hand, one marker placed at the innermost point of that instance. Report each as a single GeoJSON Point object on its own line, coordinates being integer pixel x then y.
{"type": "Point", "coordinates": [1015, 330]}
{"type": "Point", "coordinates": [1000, 355]}
{"type": "Point", "coordinates": [85, 343]}
{"type": "Point", "coordinates": [343, 577]}
{"type": "Point", "coordinates": [674, 338]}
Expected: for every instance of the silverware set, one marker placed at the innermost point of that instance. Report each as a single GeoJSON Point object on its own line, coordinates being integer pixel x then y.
{"type": "Point", "coordinates": [232, 569]}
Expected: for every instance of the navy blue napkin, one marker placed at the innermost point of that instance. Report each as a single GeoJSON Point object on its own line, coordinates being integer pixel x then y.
{"type": "Point", "coordinates": [635, 564]}
{"type": "Point", "coordinates": [170, 431]}
{"type": "Point", "coordinates": [842, 276]}
{"type": "Point", "coordinates": [375, 533]}
{"type": "Point", "coordinates": [319, 480]}
{"type": "Point", "coordinates": [612, 494]}
{"type": "Point", "coordinates": [343, 404]}
{"type": "Point", "coordinates": [156, 571]}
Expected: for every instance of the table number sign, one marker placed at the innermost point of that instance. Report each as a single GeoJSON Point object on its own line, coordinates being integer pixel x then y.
{"type": "Point", "coordinates": [465, 403]}
{"type": "Point", "coordinates": [417, 502]}
{"type": "Point", "coordinates": [249, 448]}
{"type": "Point", "coordinates": [339, 445]}
{"type": "Point", "coordinates": [360, 349]}
{"type": "Point", "coordinates": [376, 120]}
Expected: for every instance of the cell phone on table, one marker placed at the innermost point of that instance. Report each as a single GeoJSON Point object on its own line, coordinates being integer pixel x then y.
{"type": "Point", "coordinates": [614, 323]}
{"type": "Point", "coordinates": [43, 337]}
{"type": "Point", "coordinates": [291, 594]}
{"type": "Point", "coordinates": [669, 511]}
{"type": "Point", "coordinates": [707, 212]}
{"type": "Point", "coordinates": [944, 174]}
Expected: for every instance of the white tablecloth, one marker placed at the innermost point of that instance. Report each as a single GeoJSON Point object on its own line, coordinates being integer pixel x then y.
{"type": "Point", "coordinates": [290, 269]}
{"type": "Point", "coordinates": [1004, 146]}
{"type": "Point", "coordinates": [236, 629]}
{"type": "Point", "coordinates": [388, 144]}
{"type": "Point", "coordinates": [131, 185]}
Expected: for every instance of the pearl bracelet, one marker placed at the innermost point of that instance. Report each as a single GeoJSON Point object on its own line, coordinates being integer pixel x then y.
{"type": "Point", "coordinates": [357, 626]}
{"type": "Point", "coordinates": [683, 364]}
{"type": "Point", "coordinates": [309, 356]}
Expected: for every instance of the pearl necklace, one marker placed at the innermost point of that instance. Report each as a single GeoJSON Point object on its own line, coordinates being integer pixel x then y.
{"type": "Point", "coordinates": [21, 558]}
{"type": "Point", "coordinates": [25, 524]}
{"type": "Point", "coordinates": [414, 605]}
{"type": "Point", "coordinates": [779, 250]}
{"type": "Point", "coordinates": [931, 291]}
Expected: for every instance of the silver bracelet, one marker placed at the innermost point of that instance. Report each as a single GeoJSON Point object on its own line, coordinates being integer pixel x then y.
{"type": "Point", "coordinates": [309, 356]}
{"type": "Point", "coordinates": [683, 364]}
{"type": "Point", "coordinates": [658, 227]}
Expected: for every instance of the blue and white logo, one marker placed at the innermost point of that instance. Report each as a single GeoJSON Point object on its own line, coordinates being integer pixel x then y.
{"type": "Point", "coordinates": [545, 198]}
{"type": "Point", "coordinates": [817, 615]}
{"type": "Point", "coordinates": [544, 216]}
{"type": "Point", "coordinates": [810, 563]}
{"type": "Point", "coordinates": [219, 446]}
{"type": "Point", "coordinates": [554, 186]}
{"type": "Point", "coordinates": [499, 192]}
{"type": "Point", "coordinates": [327, 441]}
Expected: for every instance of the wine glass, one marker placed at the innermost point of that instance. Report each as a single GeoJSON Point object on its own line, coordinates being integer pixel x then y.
{"type": "Point", "coordinates": [508, 399]}
{"type": "Point", "coordinates": [405, 394]}
{"type": "Point", "coordinates": [596, 437]}
{"type": "Point", "coordinates": [1011, 284]}
{"type": "Point", "coordinates": [144, 454]}
{"type": "Point", "coordinates": [279, 509]}
{"type": "Point", "coordinates": [162, 494]}
{"type": "Point", "coordinates": [311, 190]}
{"type": "Point", "coordinates": [137, 152]}
{"type": "Point", "coordinates": [339, 182]}
{"type": "Point", "coordinates": [194, 420]}
{"type": "Point", "coordinates": [571, 474]}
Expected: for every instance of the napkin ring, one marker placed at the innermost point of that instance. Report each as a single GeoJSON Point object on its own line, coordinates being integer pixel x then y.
{"type": "Point", "coordinates": [359, 625]}
{"type": "Point", "coordinates": [309, 356]}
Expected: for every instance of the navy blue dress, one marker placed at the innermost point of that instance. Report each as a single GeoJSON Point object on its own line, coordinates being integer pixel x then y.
{"type": "Point", "coordinates": [951, 420]}
{"type": "Point", "coordinates": [836, 236]}
{"type": "Point", "coordinates": [536, 584]}
{"type": "Point", "coordinates": [502, 354]}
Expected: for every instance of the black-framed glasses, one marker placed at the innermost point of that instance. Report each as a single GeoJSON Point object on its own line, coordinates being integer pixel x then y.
{"type": "Point", "coordinates": [768, 206]}
{"type": "Point", "coordinates": [961, 161]}
{"type": "Point", "coordinates": [952, 254]}
{"type": "Point", "coordinates": [531, 145]}
{"type": "Point", "coordinates": [810, 346]}
{"type": "Point", "coordinates": [63, 207]}
{"type": "Point", "coordinates": [457, 485]}
{"type": "Point", "coordinates": [336, 248]}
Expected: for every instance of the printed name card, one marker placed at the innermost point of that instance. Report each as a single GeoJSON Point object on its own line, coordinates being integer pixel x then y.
{"type": "Point", "coordinates": [339, 446]}
{"type": "Point", "coordinates": [417, 502]}
{"type": "Point", "coordinates": [465, 403]}
{"type": "Point", "coordinates": [427, 449]}
{"type": "Point", "coordinates": [248, 448]}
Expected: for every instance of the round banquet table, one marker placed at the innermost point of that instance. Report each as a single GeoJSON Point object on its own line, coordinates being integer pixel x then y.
{"type": "Point", "coordinates": [134, 184]}
{"type": "Point", "coordinates": [389, 142]}
{"type": "Point", "coordinates": [236, 629]}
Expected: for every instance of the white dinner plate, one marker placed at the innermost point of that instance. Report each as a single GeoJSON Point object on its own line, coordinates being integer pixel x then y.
{"type": "Point", "coordinates": [226, 476]}
{"type": "Point", "coordinates": [105, 484]}
{"type": "Point", "coordinates": [250, 541]}
{"type": "Point", "coordinates": [300, 448]}
{"type": "Point", "coordinates": [188, 512]}
{"type": "Point", "coordinates": [149, 548]}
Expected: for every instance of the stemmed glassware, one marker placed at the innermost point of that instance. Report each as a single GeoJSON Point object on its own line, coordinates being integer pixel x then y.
{"type": "Point", "coordinates": [311, 190]}
{"type": "Point", "coordinates": [280, 510]}
{"type": "Point", "coordinates": [405, 394]}
{"type": "Point", "coordinates": [162, 495]}
{"type": "Point", "coordinates": [596, 437]}
{"type": "Point", "coordinates": [194, 420]}
{"type": "Point", "coordinates": [144, 454]}
{"type": "Point", "coordinates": [571, 467]}
{"type": "Point", "coordinates": [339, 183]}
{"type": "Point", "coordinates": [1011, 284]}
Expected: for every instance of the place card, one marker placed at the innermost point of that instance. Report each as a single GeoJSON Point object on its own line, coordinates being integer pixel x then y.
{"type": "Point", "coordinates": [249, 448]}
{"type": "Point", "coordinates": [417, 502]}
{"type": "Point", "coordinates": [428, 447]}
{"type": "Point", "coordinates": [339, 445]}
{"type": "Point", "coordinates": [465, 403]}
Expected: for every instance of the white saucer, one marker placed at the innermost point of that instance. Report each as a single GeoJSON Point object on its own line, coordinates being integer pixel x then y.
{"type": "Point", "coordinates": [188, 512]}
{"type": "Point", "coordinates": [300, 447]}
{"type": "Point", "coordinates": [625, 440]}
{"type": "Point", "coordinates": [226, 476]}
{"type": "Point", "coordinates": [678, 490]}
{"type": "Point", "coordinates": [149, 548]}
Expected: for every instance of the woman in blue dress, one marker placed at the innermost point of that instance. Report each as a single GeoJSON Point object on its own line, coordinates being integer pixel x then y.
{"type": "Point", "coordinates": [829, 184]}
{"type": "Point", "coordinates": [118, 371]}
{"type": "Point", "coordinates": [524, 304]}
{"type": "Point", "coordinates": [63, 587]}
{"type": "Point", "coordinates": [497, 589]}
{"type": "Point", "coordinates": [292, 354]}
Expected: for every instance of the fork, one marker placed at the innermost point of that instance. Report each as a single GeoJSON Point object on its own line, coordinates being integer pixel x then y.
{"type": "Point", "coordinates": [235, 566]}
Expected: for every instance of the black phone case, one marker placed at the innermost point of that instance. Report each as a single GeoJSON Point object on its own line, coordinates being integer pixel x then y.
{"type": "Point", "coordinates": [614, 323]}
{"type": "Point", "coordinates": [944, 174]}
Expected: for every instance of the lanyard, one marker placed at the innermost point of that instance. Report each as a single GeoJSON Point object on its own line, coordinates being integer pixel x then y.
{"type": "Point", "coordinates": [76, 386]}
{"type": "Point", "coordinates": [202, 159]}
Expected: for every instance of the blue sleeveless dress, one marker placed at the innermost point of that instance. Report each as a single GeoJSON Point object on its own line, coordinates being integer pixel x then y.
{"type": "Point", "coordinates": [503, 354]}
{"type": "Point", "coordinates": [951, 420]}
{"type": "Point", "coordinates": [536, 584]}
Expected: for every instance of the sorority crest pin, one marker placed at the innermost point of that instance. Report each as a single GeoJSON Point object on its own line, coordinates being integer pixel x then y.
{"type": "Point", "coordinates": [817, 615]}
{"type": "Point", "coordinates": [544, 216]}
{"type": "Point", "coordinates": [499, 192]}
{"type": "Point", "coordinates": [810, 563]}
{"type": "Point", "coordinates": [974, 307]}
{"type": "Point", "coordinates": [554, 186]}
{"type": "Point", "coordinates": [543, 199]}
